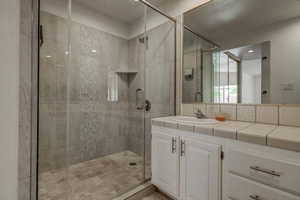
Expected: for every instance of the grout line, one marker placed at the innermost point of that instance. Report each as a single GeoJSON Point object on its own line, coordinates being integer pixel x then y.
{"type": "Point", "coordinates": [236, 112]}
{"type": "Point", "coordinates": [255, 117]}
{"type": "Point", "coordinates": [278, 113]}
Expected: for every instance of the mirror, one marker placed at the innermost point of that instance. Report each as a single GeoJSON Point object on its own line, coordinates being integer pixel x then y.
{"type": "Point", "coordinates": [241, 51]}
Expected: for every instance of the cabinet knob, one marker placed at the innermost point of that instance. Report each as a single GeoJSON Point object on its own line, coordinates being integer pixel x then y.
{"type": "Point", "coordinates": [182, 147]}
{"type": "Point", "coordinates": [173, 148]}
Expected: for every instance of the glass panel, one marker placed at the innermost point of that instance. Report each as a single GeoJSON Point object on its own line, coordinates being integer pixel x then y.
{"type": "Point", "coordinates": [197, 73]}
{"type": "Point", "coordinates": [106, 83]}
{"type": "Point", "coordinates": [216, 77]}
{"type": "Point", "coordinates": [192, 73]}
{"type": "Point", "coordinates": [159, 73]}
{"type": "Point", "coordinates": [233, 81]}
{"type": "Point", "coordinates": [226, 80]}
{"type": "Point", "coordinates": [97, 67]}
{"type": "Point", "coordinates": [52, 133]}
{"type": "Point", "coordinates": [223, 73]}
{"type": "Point", "coordinates": [207, 70]}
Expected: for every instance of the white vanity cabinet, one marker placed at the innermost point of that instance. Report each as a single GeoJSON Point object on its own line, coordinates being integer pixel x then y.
{"type": "Point", "coordinates": [165, 162]}
{"type": "Point", "coordinates": [260, 173]}
{"type": "Point", "coordinates": [186, 167]}
{"type": "Point", "coordinates": [200, 167]}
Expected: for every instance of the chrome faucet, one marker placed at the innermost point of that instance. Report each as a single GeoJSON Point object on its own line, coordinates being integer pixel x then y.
{"type": "Point", "coordinates": [199, 114]}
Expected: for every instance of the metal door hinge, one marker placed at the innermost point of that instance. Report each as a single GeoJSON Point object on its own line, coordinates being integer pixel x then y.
{"type": "Point", "coordinates": [222, 155]}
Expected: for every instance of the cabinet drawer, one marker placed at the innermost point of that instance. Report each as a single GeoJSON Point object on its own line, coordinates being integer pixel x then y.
{"type": "Point", "coordinates": [274, 172]}
{"type": "Point", "coordinates": [239, 188]}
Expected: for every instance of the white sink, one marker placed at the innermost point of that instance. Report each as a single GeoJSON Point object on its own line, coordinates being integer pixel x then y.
{"type": "Point", "coordinates": [194, 120]}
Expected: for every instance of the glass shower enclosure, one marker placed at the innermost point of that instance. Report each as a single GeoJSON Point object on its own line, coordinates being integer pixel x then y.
{"type": "Point", "coordinates": [106, 67]}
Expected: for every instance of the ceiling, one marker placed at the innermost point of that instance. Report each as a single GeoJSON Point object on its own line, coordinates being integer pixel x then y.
{"type": "Point", "coordinates": [220, 19]}
{"type": "Point", "coordinates": [244, 54]}
{"type": "Point", "coordinates": [126, 11]}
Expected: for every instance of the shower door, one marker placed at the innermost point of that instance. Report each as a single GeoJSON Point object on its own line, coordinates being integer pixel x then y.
{"type": "Point", "coordinates": [159, 73]}
{"type": "Point", "coordinates": [99, 87]}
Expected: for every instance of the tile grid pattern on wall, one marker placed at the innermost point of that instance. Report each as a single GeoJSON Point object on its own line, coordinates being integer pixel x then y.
{"type": "Point", "coordinates": [97, 124]}
{"type": "Point", "coordinates": [281, 114]}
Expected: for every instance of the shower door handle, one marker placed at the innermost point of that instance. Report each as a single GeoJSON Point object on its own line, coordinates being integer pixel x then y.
{"type": "Point", "coordinates": [139, 100]}
{"type": "Point", "coordinates": [41, 34]}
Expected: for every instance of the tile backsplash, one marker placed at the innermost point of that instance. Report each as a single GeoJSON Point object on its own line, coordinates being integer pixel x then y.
{"type": "Point", "coordinates": [267, 114]}
{"type": "Point", "coordinates": [289, 115]}
{"type": "Point", "coordinates": [276, 114]}
{"type": "Point", "coordinates": [246, 113]}
{"type": "Point", "coordinates": [212, 110]}
{"type": "Point", "coordinates": [229, 110]}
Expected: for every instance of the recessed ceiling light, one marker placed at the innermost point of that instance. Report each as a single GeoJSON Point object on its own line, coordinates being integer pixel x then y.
{"type": "Point", "coordinates": [67, 53]}
{"type": "Point", "coordinates": [48, 56]}
{"type": "Point", "coordinates": [94, 51]}
{"type": "Point", "coordinates": [250, 51]}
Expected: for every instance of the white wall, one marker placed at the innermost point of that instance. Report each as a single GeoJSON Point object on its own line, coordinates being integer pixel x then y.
{"type": "Point", "coordinates": [284, 57]}
{"type": "Point", "coordinates": [9, 89]}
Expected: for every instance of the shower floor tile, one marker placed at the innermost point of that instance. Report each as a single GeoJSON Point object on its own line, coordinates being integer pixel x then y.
{"type": "Point", "coordinates": [99, 179]}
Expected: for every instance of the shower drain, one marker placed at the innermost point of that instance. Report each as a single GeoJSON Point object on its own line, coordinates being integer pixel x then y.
{"type": "Point", "coordinates": [132, 163]}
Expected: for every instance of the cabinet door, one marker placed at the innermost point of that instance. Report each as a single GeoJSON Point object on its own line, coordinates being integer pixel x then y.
{"type": "Point", "coordinates": [165, 163]}
{"type": "Point", "coordinates": [200, 165]}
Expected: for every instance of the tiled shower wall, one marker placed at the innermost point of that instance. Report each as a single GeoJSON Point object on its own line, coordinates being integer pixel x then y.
{"type": "Point", "coordinates": [98, 127]}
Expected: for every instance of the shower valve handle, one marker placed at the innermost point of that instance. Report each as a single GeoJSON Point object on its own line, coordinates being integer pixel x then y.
{"type": "Point", "coordinates": [147, 105]}
{"type": "Point", "coordinates": [138, 93]}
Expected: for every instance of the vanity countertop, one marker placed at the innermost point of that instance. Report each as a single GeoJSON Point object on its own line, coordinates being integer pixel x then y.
{"type": "Point", "coordinates": [276, 136]}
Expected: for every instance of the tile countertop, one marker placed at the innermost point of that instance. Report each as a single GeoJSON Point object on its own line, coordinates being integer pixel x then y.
{"type": "Point", "coordinates": [283, 137]}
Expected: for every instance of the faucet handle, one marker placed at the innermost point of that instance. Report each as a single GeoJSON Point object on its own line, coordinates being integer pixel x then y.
{"type": "Point", "coordinates": [199, 113]}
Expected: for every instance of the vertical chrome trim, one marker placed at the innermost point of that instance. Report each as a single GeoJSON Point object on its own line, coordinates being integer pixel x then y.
{"type": "Point", "coordinates": [157, 10]}
{"type": "Point", "coordinates": [201, 36]}
{"type": "Point", "coordinates": [35, 71]}
{"type": "Point", "coordinates": [174, 20]}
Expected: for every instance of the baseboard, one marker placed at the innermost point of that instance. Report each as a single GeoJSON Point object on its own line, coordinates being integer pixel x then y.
{"type": "Point", "coordinates": [139, 192]}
